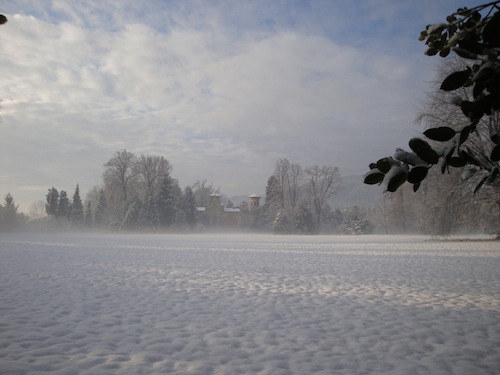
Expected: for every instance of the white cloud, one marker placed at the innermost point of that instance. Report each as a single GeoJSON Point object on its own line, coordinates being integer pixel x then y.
{"type": "Point", "coordinates": [221, 101]}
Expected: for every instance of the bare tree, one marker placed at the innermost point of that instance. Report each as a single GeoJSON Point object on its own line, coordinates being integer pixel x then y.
{"type": "Point", "coordinates": [281, 172]}
{"type": "Point", "coordinates": [294, 179]}
{"type": "Point", "coordinates": [120, 172]}
{"type": "Point", "coordinates": [149, 169]}
{"type": "Point", "coordinates": [322, 183]}
{"type": "Point", "coordinates": [202, 191]}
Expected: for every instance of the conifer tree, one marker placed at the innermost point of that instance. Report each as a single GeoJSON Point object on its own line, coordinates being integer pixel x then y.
{"type": "Point", "coordinates": [88, 215]}
{"type": "Point", "coordinates": [76, 212]}
{"type": "Point", "coordinates": [148, 214]}
{"type": "Point", "coordinates": [63, 206]}
{"type": "Point", "coordinates": [188, 207]}
{"type": "Point", "coordinates": [8, 213]}
{"type": "Point", "coordinates": [304, 219]}
{"type": "Point", "coordinates": [100, 209]}
{"type": "Point", "coordinates": [52, 205]}
{"type": "Point", "coordinates": [168, 195]}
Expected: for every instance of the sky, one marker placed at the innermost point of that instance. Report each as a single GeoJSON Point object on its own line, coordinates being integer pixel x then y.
{"type": "Point", "coordinates": [222, 89]}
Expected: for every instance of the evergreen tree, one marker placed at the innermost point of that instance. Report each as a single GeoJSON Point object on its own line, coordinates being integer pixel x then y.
{"type": "Point", "coordinates": [304, 219]}
{"type": "Point", "coordinates": [63, 206]}
{"type": "Point", "coordinates": [52, 202]}
{"type": "Point", "coordinates": [76, 212]}
{"type": "Point", "coordinates": [8, 213]}
{"type": "Point", "coordinates": [272, 202]}
{"type": "Point", "coordinates": [355, 222]}
{"type": "Point", "coordinates": [148, 214]}
{"type": "Point", "coordinates": [168, 196]}
{"type": "Point", "coordinates": [188, 207]}
{"type": "Point", "coordinates": [281, 224]}
{"type": "Point", "coordinates": [131, 216]}
{"type": "Point", "coordinates": [88, 215]}
{"type": "Point", "coordinates": [100, 210]}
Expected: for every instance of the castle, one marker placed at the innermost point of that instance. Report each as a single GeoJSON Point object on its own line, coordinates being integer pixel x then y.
{"type": "Point", "coordinates": [216, 215]}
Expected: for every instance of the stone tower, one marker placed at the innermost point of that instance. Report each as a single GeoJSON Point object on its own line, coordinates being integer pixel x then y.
{"type": "Point", "coordinates": [254, 202]}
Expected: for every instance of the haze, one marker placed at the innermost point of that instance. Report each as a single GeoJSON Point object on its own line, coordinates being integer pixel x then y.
{"type": "Point", "coordinates": [222, 89]}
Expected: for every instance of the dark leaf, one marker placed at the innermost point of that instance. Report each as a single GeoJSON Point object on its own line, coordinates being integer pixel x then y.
{"type": "Point", "coordinates": [444, 52]}
{"type": "Point", "coordinates": [397, 180]}
{"type": "Point", "coordinates": [484, 104]}
{"type": "Point", "coordinates": [467, 155]}
{"type": "Point", "coordinates": [495, 153]}
{"type": "Point", "coordinates": [383, 165]}
{"type": "Point", "coordinates": [478, 88]}
{"type": "Point", "coordinates": [466, 54]}
{"type": "Point", "coordinates": [470, 110]}
{"type": "Point", "coordinates": [431, 51]}
{"type": "Point", "coordinates": [374, 177]}
{"type": "Point", "coordinates": [476, 17]}
{"type": "Point", "coordinates": [442, 134]}
{"type": "Point", "coordinates": [481, 183]}
{"type": "Point", "coordinates": [455, 80]}
{"type": "Point", "coordinates": [417, 174]}
{"type": "Point", "coordinates": [495, 100]}
{"type": "Point", "coordinates": [491, 31]}
{"type": "Point", "coordinates": [3, 19]}
{"type": "Point", "coordinates": [471, 45]}
{"type": "Point", "coordinates": [464, 134]}
{"type": "Point", "coordinates": [457, 162]}
{"type": "Point", "coordinates": [423, 150]}
{"type": "Point", "coordinates": [484, 73]}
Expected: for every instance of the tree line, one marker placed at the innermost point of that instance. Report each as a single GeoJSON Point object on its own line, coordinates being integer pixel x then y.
{"type": "Point", "coordinates": [139, 193]}
{"type": "Point", "coordinates": [298, 200]}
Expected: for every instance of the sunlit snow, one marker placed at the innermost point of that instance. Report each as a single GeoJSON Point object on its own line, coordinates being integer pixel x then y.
{"type": "Point", "coordinates": [248, 304]}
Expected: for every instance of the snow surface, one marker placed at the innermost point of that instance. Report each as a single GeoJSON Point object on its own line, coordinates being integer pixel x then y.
{"type": "Point", "coordinates": [249, 304]}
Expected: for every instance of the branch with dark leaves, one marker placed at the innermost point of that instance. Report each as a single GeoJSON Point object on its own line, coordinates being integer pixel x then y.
{"type": "Point", "coordinates": [474, 37]}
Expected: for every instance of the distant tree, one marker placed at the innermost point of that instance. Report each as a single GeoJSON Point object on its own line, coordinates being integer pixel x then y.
{"type": "Point", "coordinates": [168, 196]}
{"type": "Point", "coordinates": [131, 217]}
{"type": "Point", "coordinates": [281, 172]}
{"type": "Point", "coordinates": [52, 205]}
{"type": "Point", "coordinates": [100, 210]}
{"type": "Point", "coordinates": [322, 183]}
{"type": "Point", "coordinates": [120, 172]}
{"type": "Point", "coordinates": [281, 224]}
{"type": "Point", "coordinates": [37, 209]}
{"type": "Point", "coordinates": [149, 169]}
{"type": "Point", "coordinates": [304, 219]}
{"type": "Point", "coordinates": [474, 35]}
{"type": "Point", "coordinates": [355, 221]}
{"type": "Point", "coordinates": [148, 213]}
{"type": "Point", "coordinates": [10, 218]}
{"type": "Point", "coordinates": [8, 213]}
{"type": "Point", "coordinates": [63, 206]}
{"type": "Point", "coordinates": [76, 211]}
{"type": "Point", "coordinates": [202, 191]}
{"type": "Point", "coordinates": [272, 202]}
{"type": "Point", "coordinates": [187, 206]}
{"type": "Point", "coordinates": [88, 218]}
{"type": "Point", "coordinates": [294, 178]}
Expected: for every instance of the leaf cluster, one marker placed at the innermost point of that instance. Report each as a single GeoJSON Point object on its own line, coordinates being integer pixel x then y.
{"type": "Point", "coordinates": [474, 35]}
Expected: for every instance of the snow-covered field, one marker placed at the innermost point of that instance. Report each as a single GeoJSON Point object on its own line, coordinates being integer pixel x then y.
{"type": "Point", "coordinates": [248, 304]}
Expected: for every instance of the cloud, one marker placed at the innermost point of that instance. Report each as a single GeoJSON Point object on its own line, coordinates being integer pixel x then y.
{"type": "Point", "coordinates": [220, 89]}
